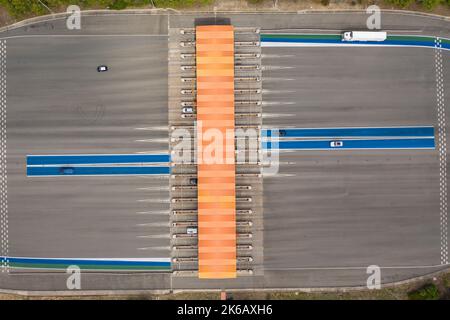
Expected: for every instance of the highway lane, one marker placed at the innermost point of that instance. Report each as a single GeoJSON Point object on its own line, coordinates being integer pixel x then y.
{"type": "Point", "coordinates": [322, 20]}
{"type": "Point", "coordinates": [357, 144]}
{"type": "Point", "coordinates": [59, 104]}
{"type": "Point", "coordinates": [54, 83]}
{"type": "Point", "coordinates": [335, 87]}
{"type": "Point", "coordinates": [88, 217]}
{"type": "Point", "coordinates": [106, 23]}
{"type": "Point", "coordinates": [159, 22]}
{"type": "Point", "coordinates": [352, 132]}
{"type": "Point", "coordinates": [350, 208]}
{"type": "Point", "coordinates": [335, 40]}
{"type": "Point", "coordinates": [91, 136]}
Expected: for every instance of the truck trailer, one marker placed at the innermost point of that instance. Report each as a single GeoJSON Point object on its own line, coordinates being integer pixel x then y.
{"type": "Point", "coordinates": [364, 36]}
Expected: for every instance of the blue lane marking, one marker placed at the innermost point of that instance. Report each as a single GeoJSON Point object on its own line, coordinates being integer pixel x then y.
{"type": "Point", "coordinates": [96, 159]}
{"type": "Point", "coordinates": [403, 42]}
{"type": "Point", "coordinates": [93, 171]}
{"type": "Point", "coordinates": [89, 262]}
{"type": "Point", "coordinates": [354, 132]}
{"type": "Point", "coordinates": [426, 143]}
{"type": "Point", "coordinates": [385, 42]}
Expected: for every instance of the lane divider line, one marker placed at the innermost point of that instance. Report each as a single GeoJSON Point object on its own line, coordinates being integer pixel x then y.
{"type": "Point", "coordinates": [442, 143]}
{"type": "Point", "coordinates": [4, 237]}
{"type": "Point", "coordinates": [96, 171]}
{"type": "Point", "coordinates": [97, 165]}
{"type": "Point", "coordinates": [96, 159]}
{"type": "Point", "coordinates": [334, 40]}
{"type": "Point", "coordinates": [147, 264]}
{"type": "Point", "coordinates": [348, 144]}
{"type": "Point", "coordinates": [354, 132]}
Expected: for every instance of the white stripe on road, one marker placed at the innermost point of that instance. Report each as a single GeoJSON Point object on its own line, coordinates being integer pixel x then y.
{"type": "Point", "coordinates": [4, 237]}
{"type": "Point", "coordinates": [442, 146]}
{"type": "Point", "coordinates": [310, 44]}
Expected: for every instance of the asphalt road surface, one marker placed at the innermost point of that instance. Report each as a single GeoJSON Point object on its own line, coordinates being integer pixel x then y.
{"type": "Point", "coordinates": [59, 104]}
{"type": "Point", "coordinates": [327, 215]}
{"type": "Point", "coordinates": [351, 208]}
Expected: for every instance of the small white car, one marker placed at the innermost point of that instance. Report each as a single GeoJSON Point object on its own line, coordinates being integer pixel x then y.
{"type": "Point", "coordinates": [187, 110]}
{"type": "Point", "coordinates": [102, 68]}
{"type": "Point", "coordinates": [336, 144]}
{"type": "Point", "coordinates": [191, 230]}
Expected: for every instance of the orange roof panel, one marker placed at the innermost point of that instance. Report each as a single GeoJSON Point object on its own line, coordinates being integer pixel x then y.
{"type": "Point", "coordinates": [216, 181]}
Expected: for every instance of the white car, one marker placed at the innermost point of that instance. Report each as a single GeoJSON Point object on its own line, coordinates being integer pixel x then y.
{"type": "Point", "coordinates": [102, 68]}
{"type": "Point", "coordinates": [187, 110]}
{"type": "Point", "coordinates": [336, 144]}
{"type": "Point", "coordinates": [191, 230]}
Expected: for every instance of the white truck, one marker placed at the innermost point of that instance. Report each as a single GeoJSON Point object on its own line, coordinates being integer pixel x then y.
{"type": "Point", "coordinates": [364, 36]}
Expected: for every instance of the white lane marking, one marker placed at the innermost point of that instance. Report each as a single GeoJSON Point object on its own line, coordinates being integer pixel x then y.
{"type": "Point", "coordinates": [326, 128]}
{"type": "Point", "coordinates": [101, 175]}
{"type": "Point", "coordinates": [163, 212]}
{"type": "Point", "coordinates": [100, 165]}
{"type": "Point", "coordinates": [164, 188]}
{"type": "Point", "coordinates": [344, 45]}
{"type": "Point", "coordinates": [442, 147]}
{"type": "Point", "coordinates": [85, 36]}
{"type": "Point", "coordinates": [153, 128]}
{"type": "Point", "coordinates": [154, 224]}
{"type": "Point", "coordinates": [156, 140]}
{"type": "Point", "coordinates": [100, 259]}
{"type": "Point", "coordinates": [151, 152]}
{"type": "Point", "coordinates": [167, 248]}
{"type": "Point", "coordinates": [346, 149]}
{"type": "Point", "coordinates": [154, 200]}
{"type": "Point", "coordinates": [337, 137]}
{"type": "Point", "coordinates": [344, 138]}
{"type": "Point", "coordinates": [4, 237]}
{"type": "Point", "coordinates": [155, 236]}
{"type": "Point", "coordinates": [159, 153]}
{"type": "Point", "coordinates": [357, 268]}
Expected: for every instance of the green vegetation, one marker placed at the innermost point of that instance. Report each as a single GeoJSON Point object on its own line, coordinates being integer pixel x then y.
{"type": "Point", "coordinates": [119, 5]}
{"type": "Point", "coordinates": [426, 292]}
{"type": "Point", "coordinates": [26, 8]}
{"type": "Point", "coordinates": [20, 9]}
{"type": "Point", "coordinates": [181, 3]}
{"type": "Point", "coordinates": [446, 281]}
{"type": "Point", "coordinates": [400, 3]}
{"type": "Point", "coordinates": [431, 4]}
{"type": "Point", "coordinates": [427, 4]}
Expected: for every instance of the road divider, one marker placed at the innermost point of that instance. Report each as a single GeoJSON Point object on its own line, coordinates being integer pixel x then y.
{"type": "Point", "coordinates": [135, 264]}
{"type": "Point", "coordinates": [96, 159]}
{"type": "Point", "coordinates": [353, 132]}
{"type": "Point", "coordinates": [96, 171]}
{"type": "Point", "coordinates": [329, 40]}
{"type": "Point", "coordinates": [352, 144]}
{"type": "Point", "coordinates": [97, 165]}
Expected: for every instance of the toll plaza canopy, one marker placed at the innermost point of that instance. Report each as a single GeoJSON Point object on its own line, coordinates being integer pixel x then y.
{"type": "Point", "coordinates": [216, 174]}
